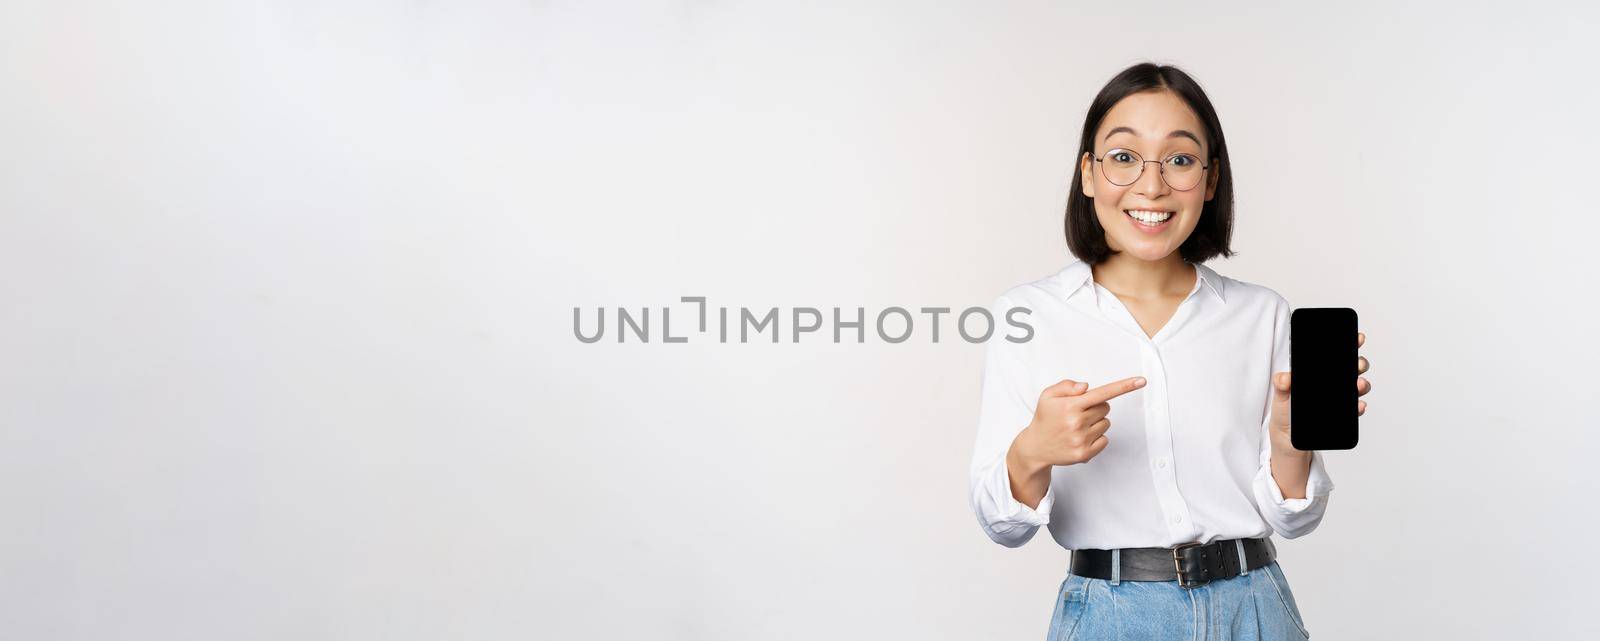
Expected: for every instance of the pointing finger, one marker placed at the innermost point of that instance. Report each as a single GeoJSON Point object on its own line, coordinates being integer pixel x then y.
{"type": "Point", "coordinates": [1112, 390]}
{"type": "Point", "coordinates": [1067, 387]}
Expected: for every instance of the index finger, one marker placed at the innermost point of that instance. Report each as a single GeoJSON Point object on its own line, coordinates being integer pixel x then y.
{"type": "Point", "coordinates": [1067, 387]}
{"type": "Point", "coordinates": [1109, 391]}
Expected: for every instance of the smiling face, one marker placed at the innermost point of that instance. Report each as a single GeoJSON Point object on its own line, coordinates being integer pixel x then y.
{"type": "Point", "coordinates": [1155, 125]}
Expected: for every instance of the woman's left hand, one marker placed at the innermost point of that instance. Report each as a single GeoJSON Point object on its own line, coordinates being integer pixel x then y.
{"type": "Point", "coordinates": [1280, 396]}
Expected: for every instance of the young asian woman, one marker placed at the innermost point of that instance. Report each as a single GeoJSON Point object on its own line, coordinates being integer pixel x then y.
{"type": "Point", "coordinates": [1145, 423]}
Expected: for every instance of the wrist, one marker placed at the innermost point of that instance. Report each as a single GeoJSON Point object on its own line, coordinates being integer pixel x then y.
{"type": "Point", "coordinates": [1283, 447]}
{"type": "Point", "coordinates": [1018, 460]}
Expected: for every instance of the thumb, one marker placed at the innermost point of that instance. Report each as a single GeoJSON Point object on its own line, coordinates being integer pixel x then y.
{"type": "Point", "coordinates": [1280, 383]}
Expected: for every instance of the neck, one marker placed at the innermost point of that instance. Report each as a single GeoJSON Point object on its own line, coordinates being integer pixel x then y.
{"type": "Point", "coordinates": [1127, 275]}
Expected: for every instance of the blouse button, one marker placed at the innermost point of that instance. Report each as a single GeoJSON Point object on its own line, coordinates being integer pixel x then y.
{"type": "Point", "coordinates": [1161, 463]}
{"type": "Point", "coordinates": [1177, 518]}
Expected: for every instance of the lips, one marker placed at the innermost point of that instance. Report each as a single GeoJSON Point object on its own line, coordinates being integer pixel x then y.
{"type": "Point", "coordinates": [1150, 227]}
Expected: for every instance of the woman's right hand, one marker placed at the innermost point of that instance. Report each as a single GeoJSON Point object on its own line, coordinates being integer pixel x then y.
{"type": "Point", "coordinates": [1069, 423]}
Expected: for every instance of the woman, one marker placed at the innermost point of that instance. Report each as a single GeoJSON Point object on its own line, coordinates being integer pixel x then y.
{"type": "Point", "coordinates": [1145, 422]}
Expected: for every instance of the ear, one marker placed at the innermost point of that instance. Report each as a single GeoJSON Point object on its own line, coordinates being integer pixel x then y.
{"type": "Point", "coordinates": [1211, 179]}
{"type": "Point", "coordinates": [1086, 169]}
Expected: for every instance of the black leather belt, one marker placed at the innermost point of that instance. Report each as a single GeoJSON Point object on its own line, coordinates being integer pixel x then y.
{"type": "Point", "coordinates": [1190, 564]}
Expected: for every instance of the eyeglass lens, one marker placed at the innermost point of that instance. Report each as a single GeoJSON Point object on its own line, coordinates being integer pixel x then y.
{"type": "Point", "coordinates": [1123, 167]}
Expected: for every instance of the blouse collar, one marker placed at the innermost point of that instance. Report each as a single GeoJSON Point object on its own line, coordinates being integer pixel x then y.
{"type": "Point", "coordinates": [1077, 274]}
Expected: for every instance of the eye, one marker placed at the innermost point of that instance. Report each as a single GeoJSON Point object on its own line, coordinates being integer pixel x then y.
{"type": "Point", "coordinates": [1183, 160]}
{"type": "Point", "coordinates": [1121, 156]}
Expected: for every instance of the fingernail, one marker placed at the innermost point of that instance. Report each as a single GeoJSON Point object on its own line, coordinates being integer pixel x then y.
{"type": "Point", "coordinates": [1138, 381]}
{"type": "Point", "coordinates": [1080, 386]}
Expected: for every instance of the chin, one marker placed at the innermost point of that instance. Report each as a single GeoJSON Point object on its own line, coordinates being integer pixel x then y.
{"type": "Point", "coordinates": [1146, 252]}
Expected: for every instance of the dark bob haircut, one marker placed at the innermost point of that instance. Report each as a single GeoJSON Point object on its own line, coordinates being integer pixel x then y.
{"type": "Point", "coordinates": [1085, 237]}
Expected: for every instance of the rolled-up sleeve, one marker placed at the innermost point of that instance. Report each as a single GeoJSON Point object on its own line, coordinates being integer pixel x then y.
{"type": "Point", "coordinates": [1289, 518]}
{"type": "Point", "coordinates": [1005, 409]}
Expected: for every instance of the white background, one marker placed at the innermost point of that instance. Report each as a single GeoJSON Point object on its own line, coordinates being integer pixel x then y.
{"type": "Point", "coordinates": [286, 296]}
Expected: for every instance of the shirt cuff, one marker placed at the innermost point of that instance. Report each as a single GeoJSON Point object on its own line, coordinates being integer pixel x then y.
{"type": "Point", "coordinates": [1016, 512]}
{"type": "Point", "coordinates": [1317, 485]}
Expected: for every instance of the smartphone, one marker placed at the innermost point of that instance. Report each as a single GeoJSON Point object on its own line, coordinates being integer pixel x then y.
{"type": "Point", "coordinates": [1322, 388]}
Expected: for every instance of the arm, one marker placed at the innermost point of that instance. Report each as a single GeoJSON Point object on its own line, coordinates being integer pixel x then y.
{"type": "Point", "coordinates": [998, 476]}
{"type": "Point", "coordinates": [1030, 480]}
{"type": "Point", "coordinates": [1291, 487]}
{"type": "Point", "coordinates": [1291, 468]}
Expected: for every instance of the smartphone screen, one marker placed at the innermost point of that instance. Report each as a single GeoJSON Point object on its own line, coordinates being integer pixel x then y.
{"type": "Point", "coordinates": [1322, 389]}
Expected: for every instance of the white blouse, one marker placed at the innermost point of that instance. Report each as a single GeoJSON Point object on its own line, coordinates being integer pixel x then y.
{"type": "Point", "coordinates": [1188, 458]}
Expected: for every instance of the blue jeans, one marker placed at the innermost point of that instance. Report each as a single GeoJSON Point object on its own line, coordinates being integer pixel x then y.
{"type": "Point", "coordinates": [1256, 606]}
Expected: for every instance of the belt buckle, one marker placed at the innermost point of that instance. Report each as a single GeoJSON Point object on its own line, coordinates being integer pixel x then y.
{"type": "Point", "coordinates": [1177, 563]}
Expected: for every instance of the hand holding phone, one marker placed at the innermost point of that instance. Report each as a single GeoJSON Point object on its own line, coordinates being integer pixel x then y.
{"type": "Point", "coordinates": [1325, 365]}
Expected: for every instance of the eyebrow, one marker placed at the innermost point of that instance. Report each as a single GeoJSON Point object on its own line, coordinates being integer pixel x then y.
{"type": "Point", "coordinates": [1181, 133]}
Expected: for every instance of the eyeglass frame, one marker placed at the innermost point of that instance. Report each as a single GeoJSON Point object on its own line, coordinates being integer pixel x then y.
{"type": "Point", "coordinates": [1142, 162]}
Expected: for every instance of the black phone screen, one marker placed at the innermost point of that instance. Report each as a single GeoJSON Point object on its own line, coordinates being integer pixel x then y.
{"type": "Point", "coordinates": [1322, 389]}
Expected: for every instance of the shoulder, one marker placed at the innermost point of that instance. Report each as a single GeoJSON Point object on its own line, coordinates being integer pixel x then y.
{"type": "Point", "coordinates": [1250, 295]}
{"type": "Point", "coordinates": [1029, 294]}
{"type": "Point", "coordinates": [1046, 289]}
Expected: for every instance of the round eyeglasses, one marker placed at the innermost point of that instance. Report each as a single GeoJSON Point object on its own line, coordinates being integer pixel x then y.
{"type": "Point", "coordinates": [1123, 167]}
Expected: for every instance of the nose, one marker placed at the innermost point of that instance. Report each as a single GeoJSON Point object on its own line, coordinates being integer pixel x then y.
{"type": "Point", "coordinates": [1151, 183]}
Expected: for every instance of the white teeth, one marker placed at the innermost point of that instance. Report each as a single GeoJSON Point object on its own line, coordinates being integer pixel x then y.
{"type": "Point", "coordinates": [1151, 217]}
